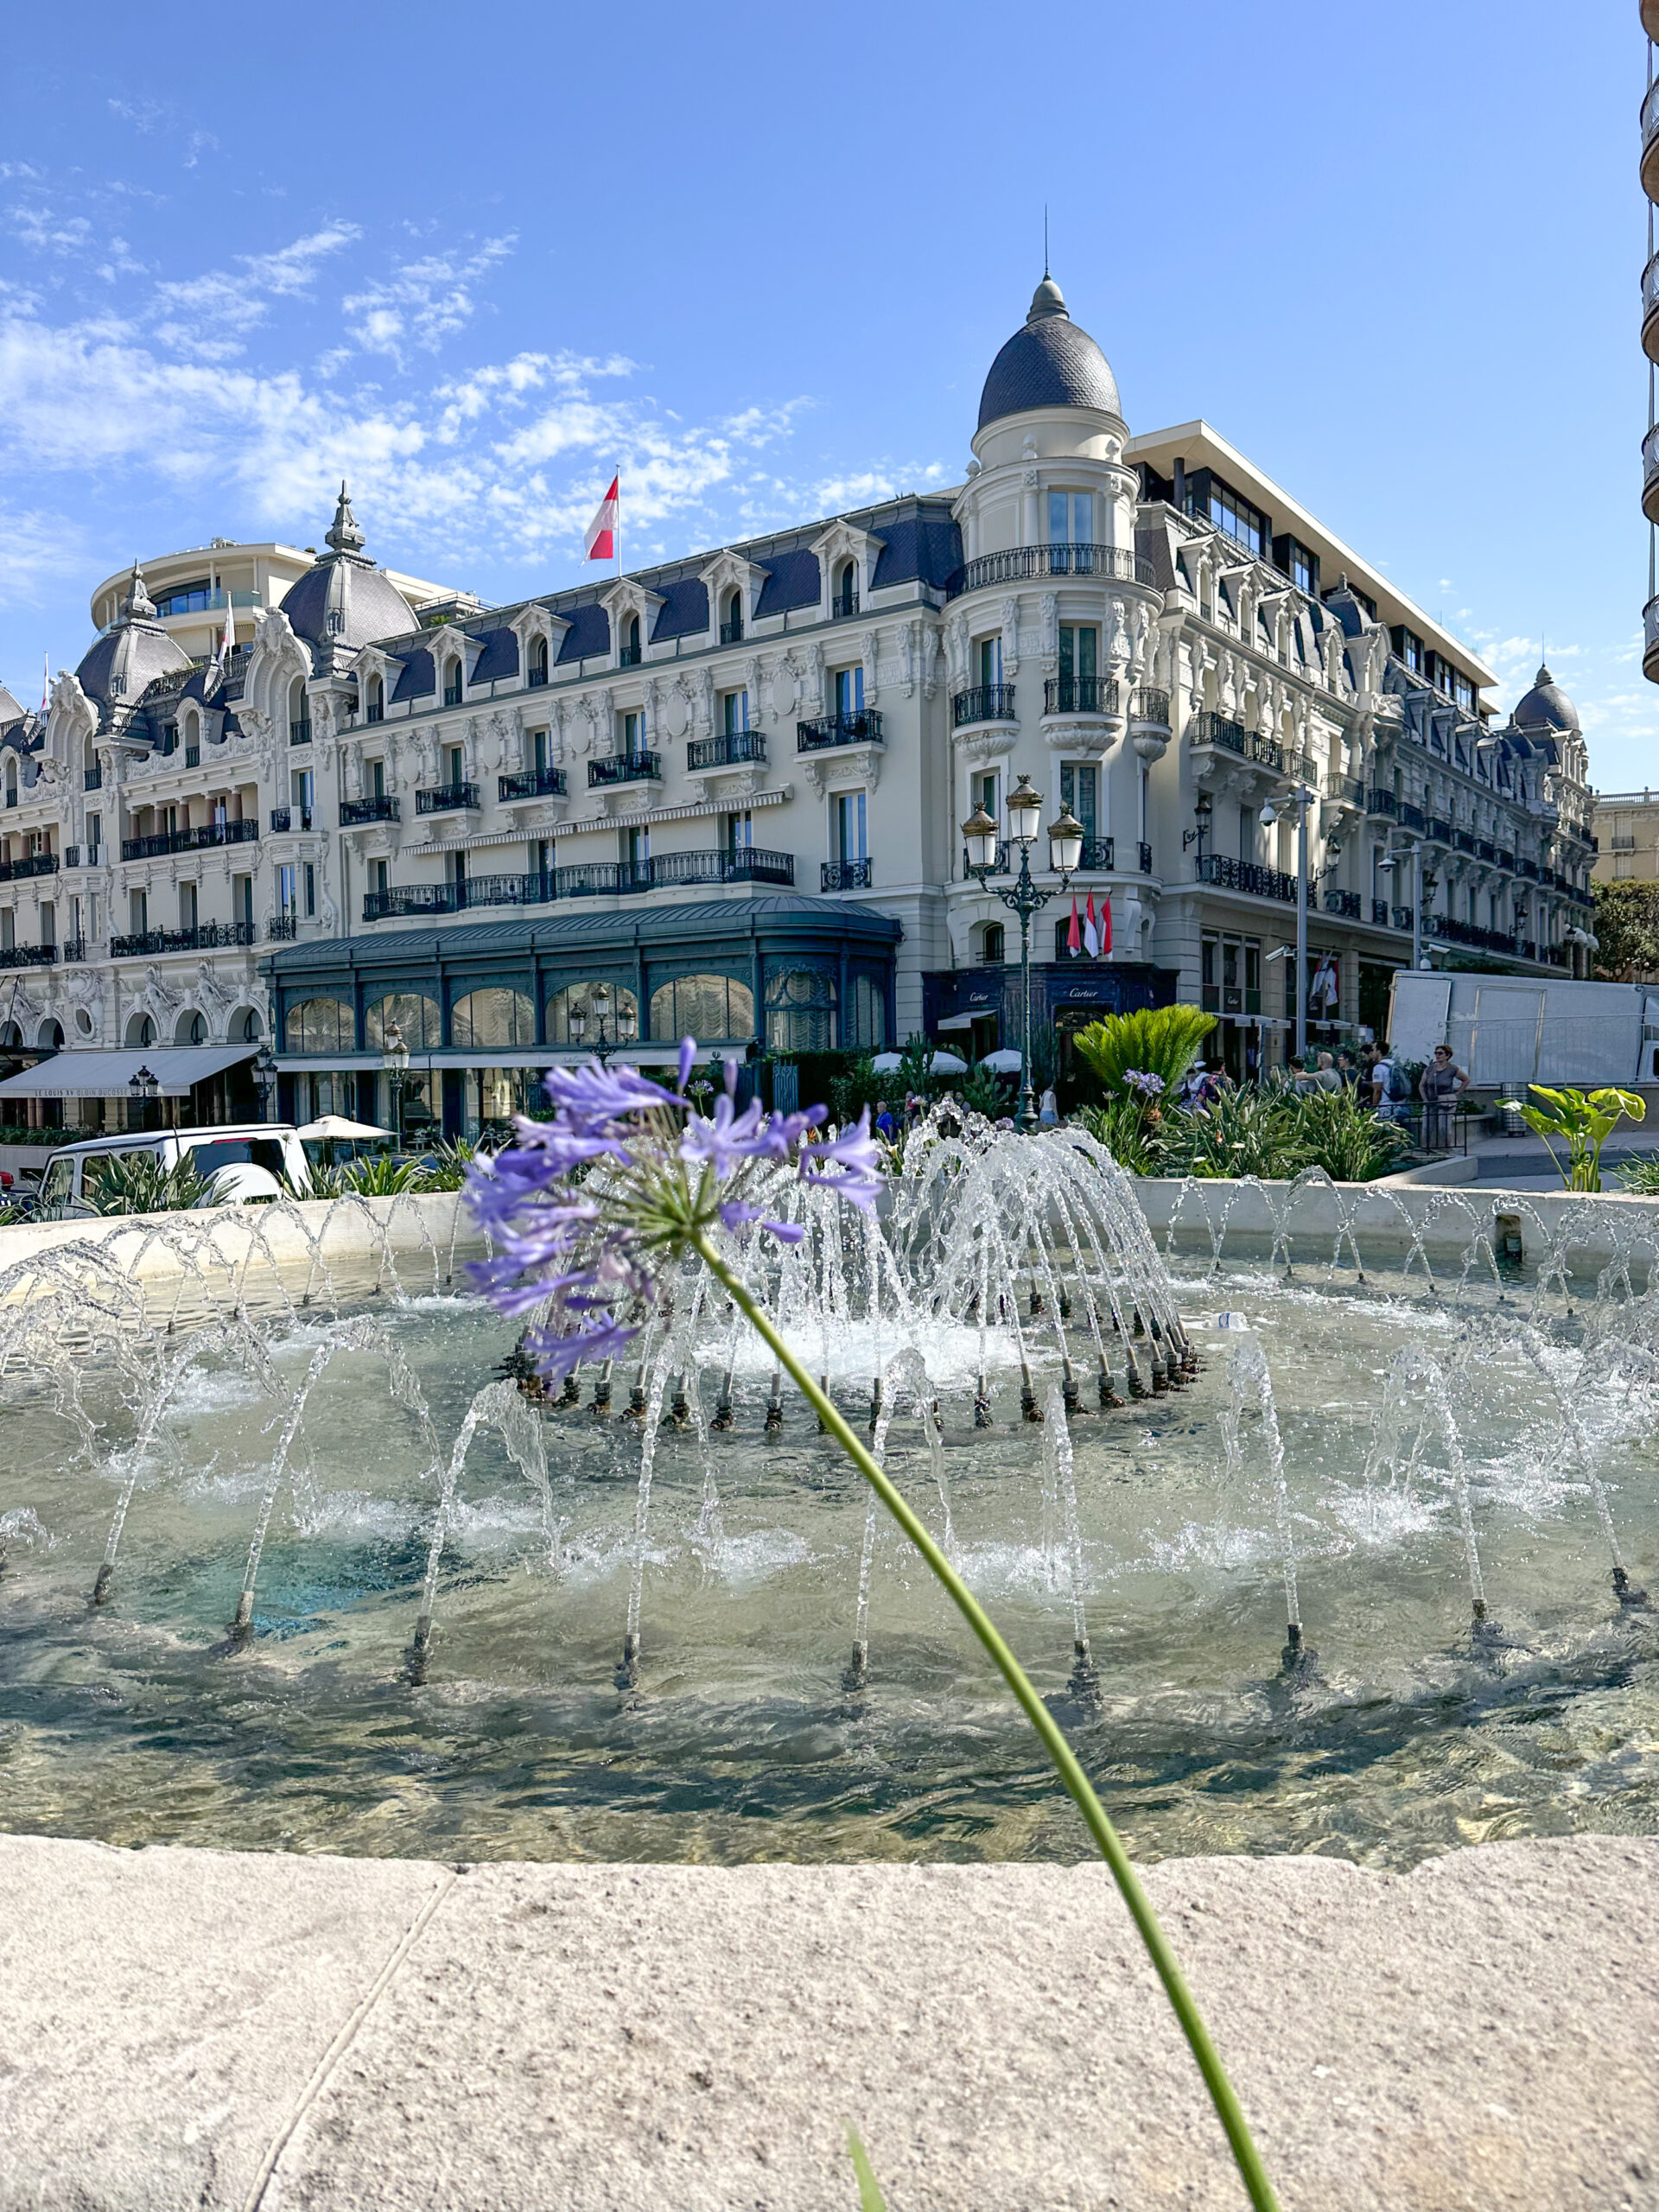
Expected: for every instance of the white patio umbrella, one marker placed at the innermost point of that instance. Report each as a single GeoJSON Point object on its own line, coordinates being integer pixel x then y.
{"type": "Point", "coordinates": [885, 1063]}
{"type": "Point", "coordinates": [1006, 1062]}
{"type": "Point", "coordinates": [947, 1064]}
{"type": "Point", "coordinates": [335, 1128]}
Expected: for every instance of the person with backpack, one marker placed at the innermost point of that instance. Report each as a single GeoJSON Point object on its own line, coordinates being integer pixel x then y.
{"type": "Point", "coordinates": [1390, 1093]}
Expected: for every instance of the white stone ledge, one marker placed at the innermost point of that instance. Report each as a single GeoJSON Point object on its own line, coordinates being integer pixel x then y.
{"type": "Point", "coordinates": [185, 2028]}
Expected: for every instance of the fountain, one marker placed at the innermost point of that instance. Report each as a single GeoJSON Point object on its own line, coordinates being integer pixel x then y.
{"type": "Point", "coordinates": [295, 1547]}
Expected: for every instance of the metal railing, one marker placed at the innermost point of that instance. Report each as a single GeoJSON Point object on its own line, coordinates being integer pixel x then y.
{"type": "Point", "coordinates": [376, 712]}
{"type": "Point", "coordinates": [982, 702]}
{"type": "Point", "coordinates": [1349, 789]}
{"type": "Point", "coordinates": [731, 633]}
{"type": "Point", "coordinates": [1412, 817]}
{"type": "Point", "coordinates": [1405, 918]}
{"type": "Point", "coordinates": [1245, 876]}
{"type": "Point", "coordinates": [843, 604]}
{"type": "Point", "coordinates": [282, 929]}
{"type": "Point", "coordinates": [452, 694]}
{"type": "Point", "coordinates": [735, 864]}
{"type": "Point", "coordinates": [1505, 858]}
{"type": "Point", "coordinates": [299, 733]}
{"type": "Point", "coordinates": [626, 768]}
{"type": "Point", "coordinates": [31, 864]}
{"type": "Point", "coordinates": [1438, 829]}
{"type": "Point", "coordinates": [844, 875]}
{"type": "Point", "coordinates": [1528, 868]}
{"type": "Point", "coordinates": [1233, 737]}
{"type": "Point", "coordinates": [861, 726]}
{"type": "Point", "coordinates": [381, 806]}
{"type": "Point", "coordinates": [533, 783]}
{"type": "Point", "coordinates": [1345, 903]}
{"type": "Point", "coordinates": [1144, 855]}
{"type": "Point", "coordinates": [1021, 562]}
{"type": "Point", "coordinates": [536, 676]}
{"type": "Point", "coordinates": [1148, 705]}
{"type": "Point", "coordinates": [193, 756]}
{"type": "Point", "coordinates": [206, 936]}
{"type": "Point", "coordinates": [202, 838]}
{"type": "Point", "coordinates": [1098, 853]}
{"type": "Point", "coordinates": [629, 655]}
{"type": "Point", "coordinates": [1484, 850]}
{"type": "Point", "coordinates": [1464, 840]}
{"type": "Point", "coordinates": [1447, 927]}
{"type": "Point", "coordinates": [1382, 802]}
{"type": "Point", "coordinates": [1379, 916]}
{"type": "Point", "coordinates": [282, 818]}
{"type": "Point", "coordinates": [28, 956]}
{"type": "Point", "coordinates": [580, 879]}
{"type": "Point", "coordinates": [730, 750]}
{"type": "Point", "coordinates": [446, 798]}
{"type": "Point", "coordinates": [1080, 694]}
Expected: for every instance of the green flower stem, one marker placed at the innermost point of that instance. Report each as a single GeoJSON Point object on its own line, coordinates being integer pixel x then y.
{"type": "Point", "coordinates": [1111, 1846]}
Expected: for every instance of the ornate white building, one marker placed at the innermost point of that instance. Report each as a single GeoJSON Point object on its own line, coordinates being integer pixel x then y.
{"type": "Point", "coordinates": [724, 794]}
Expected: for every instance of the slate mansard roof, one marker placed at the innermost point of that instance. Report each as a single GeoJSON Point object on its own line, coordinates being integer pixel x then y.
{"type": "Point", "coordinates": [1048, 363]}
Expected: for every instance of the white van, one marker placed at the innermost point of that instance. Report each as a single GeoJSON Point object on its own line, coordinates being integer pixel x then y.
{"type": "Point", "coordinates": [242, 1161]}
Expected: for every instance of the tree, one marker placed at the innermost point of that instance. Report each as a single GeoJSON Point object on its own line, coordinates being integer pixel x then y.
{"type": "Point", "coordinates": [1627, 926]}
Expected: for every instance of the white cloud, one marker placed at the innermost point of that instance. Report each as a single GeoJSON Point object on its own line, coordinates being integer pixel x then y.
{"type": "Point", "coordinates": [37, 548]}
{"type": "Point", "coordinates": [45, 232]}
{"type": "Point", "coordinates": [421, 302]}
{"type": "Point", "coordinates": [207, 317]}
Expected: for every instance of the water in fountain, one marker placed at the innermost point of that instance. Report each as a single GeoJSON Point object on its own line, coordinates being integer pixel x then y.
{"type": "Point", "coordinates": [428, 1568]}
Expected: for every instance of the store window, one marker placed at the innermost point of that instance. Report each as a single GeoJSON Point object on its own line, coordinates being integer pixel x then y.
{"type": "Point", "coordinates": [801, 1012]}
{"type": "Point", "coordinates": [492, 1017]}
{"type": "Point", "coordinates": [418, 1018]}
{"type": "Point", "coordinates": [703, 1007]}
{"type": "Point", "coordinates": [320, 1026]}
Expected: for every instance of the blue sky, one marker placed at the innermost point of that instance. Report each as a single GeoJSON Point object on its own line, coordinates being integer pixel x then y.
{"type": "Point", "coordinates": [762, 257]}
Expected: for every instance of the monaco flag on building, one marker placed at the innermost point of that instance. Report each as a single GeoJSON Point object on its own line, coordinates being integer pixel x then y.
{"type": "Point", "coordinates": [599, 545]}
{"type": "Point", "coordinates": [1073, 936]}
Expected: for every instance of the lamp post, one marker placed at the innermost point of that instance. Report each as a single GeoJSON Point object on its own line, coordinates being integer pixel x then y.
{"type": "Point", "coordinates": [144, 1089]}
{"type": "Point", "coordinates": [394, 1058]}
{"type": "Point", "coordinates": [265, 1077]}
{"type": "Point", "coordinates": [1300, 798]}
{"type": "Point", "coordinates": [1022, 897]}
{"type": "Point", "coordinates": [1204, 808]}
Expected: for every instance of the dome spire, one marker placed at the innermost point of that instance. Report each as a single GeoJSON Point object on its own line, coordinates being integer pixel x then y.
{"type": "Point", "coordinates": [345, 537]}
{"type": "Point", "coordinates": [138, 606]}
{"type": "Point", "coordinates": [1047, 299]}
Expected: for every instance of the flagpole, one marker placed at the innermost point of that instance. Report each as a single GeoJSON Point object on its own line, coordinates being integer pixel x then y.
{"type": "Point", "coordinates": [616, 534]}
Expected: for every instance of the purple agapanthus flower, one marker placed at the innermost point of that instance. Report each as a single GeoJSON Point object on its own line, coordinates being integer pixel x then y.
{"type": "Point", "coordinates": [587, 1211]}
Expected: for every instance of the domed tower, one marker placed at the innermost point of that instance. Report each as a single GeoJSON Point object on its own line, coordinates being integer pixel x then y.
{"type": "Point", "coordinates": [343, 602]}
{"type": "Point", "coordinates": [125, 661]}
{"type": "Point", "coordinates": [1547, 714]}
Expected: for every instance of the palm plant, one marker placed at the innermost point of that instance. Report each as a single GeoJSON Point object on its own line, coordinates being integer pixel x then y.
{"type": "Point", "coordinates": [1161, 1041]}
{"type": "Point", "coordinates": [140, 1182]}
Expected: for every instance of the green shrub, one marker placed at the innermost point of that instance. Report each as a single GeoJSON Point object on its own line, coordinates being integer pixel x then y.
{"type": "Point", "coordinates": [982, 1092]}
{"type": "Point", "coordinates": [140, 1182]}
{"type": "Point", "coordinates": [1161, 1041]}
{"type": "Point", "coordinates": [1130, 1130]}
{"type": "Point", "coordinates": [1337, 1132]}
{"type": "Point", "coordinates": [1242, 1133]}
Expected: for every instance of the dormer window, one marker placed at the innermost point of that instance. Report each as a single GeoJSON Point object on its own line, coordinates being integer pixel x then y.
{"type": "Point", "coordinates": [336, 622]}
{"type": "Point", "coordinates": [731, 620]}
{"type": "Point", "coordinates": [843, 600]}
{"type": "Point", "coordinates": [536, 671]}
{"type": "Point", "coordinates": [375, 708]}
{"type": "Point", "coordinates": [451, 683]}
{"type": "Point", "coordinates": [630, 653]}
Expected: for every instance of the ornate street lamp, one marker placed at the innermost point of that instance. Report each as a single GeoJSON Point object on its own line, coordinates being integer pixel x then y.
{"type": "Point", "coordinates": [1022, 897]}
{"type": "Point", "coordinates": [144, 1089]}
{"type": "Point", "coordinates": [576, 1022]}
{"type": "Point", "coordinates": [394, 1058]}
{"type": "Point", "coordinates": [265, 1077]}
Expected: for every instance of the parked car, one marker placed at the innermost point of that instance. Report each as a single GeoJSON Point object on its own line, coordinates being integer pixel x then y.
{"type": "Point", "coordinates": [239, 1163]}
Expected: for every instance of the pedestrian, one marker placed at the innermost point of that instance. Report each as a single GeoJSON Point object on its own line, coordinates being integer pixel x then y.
{"type": "Point", "coordinates": [1345, 1069]}
{"type": "Point", "coordinates": [1390, 1095]}
{"type": "Point", "coordinates": [1048, 1114]}
{"type": "Point", "coordinates": [1440, 1085]}
{"type": "Point", "coordinates": [1324, 1074]}
{"type": "Point", "coordinates": [1301, 1076]}
{"type": "Point", "coordinates": [884, 1122]}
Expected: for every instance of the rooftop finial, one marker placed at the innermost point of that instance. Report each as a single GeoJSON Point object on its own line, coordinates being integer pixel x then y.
{"type": "Point", "coordinates": [1047, 299]}
{"type": "Point", "coordinates": [1045, 238]}
{"type": "Point", "coordinates": [345, 537]}
{"type": "Point", "coordinates": [138, 606]}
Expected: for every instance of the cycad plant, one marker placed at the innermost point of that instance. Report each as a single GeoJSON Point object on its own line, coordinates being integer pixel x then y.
{"type": "Point", "coordinates": [1161, 1041]}
{"type": "Point", "coordinates": [140, 1182]}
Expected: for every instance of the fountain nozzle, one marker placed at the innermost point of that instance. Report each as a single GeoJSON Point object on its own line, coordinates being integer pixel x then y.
{"type": "Point", "coordinates": [101, 1587]}
{"type": "Point", "coordinates": [857, 1671]}
{"type": "Point", "coordinates": [1630, 1600]}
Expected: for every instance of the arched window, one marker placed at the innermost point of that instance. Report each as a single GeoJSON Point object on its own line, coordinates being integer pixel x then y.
{"type": "Point", "coordinates": [801, 1011]}
{"type": "Point", "coordinates": [991, 944]}
{"type": "Point", "coordinates": [245, 1026]}
{"type": "Point", "coordinates": [620, 999]}
{"type": "Point", "coordinates": [418, 1017]}
{"type": "Point", "coordinates": [192, 730]}
{"type": "Point", "coordinates": [12, 1037]}
{"type": "Point", "coordinates": [731, 619]}
{"type": "Point", "coordinates": [375, 701]}
{"type": "Point", "coordinates": [868, 1013]}
{"type": "Point", "coordinates": [630, 655]}
{"type": "Point", "coordinates": [846, 598]}
{"type": "Point", "coordinates": [451, 683]}
{"type": "Point", "coordinates": [11, 779]}
{"type": "Point", "coordinates": [140, 1030]}
{"type": "Point", "coordinates": [495, 1016]}
{"type": "Point", "coordinates": [50, 1039]}
{"type": "Point", "coordinates": [320, 1026]}
{"type": "Point", "coordinates": [704, 1006]}
{"type": "Point", "coordinates": [191, 1029]}
{"type": "Point", "coordinates": [537, 670]}
{"type": "Point", "coordinates": [299, 713]}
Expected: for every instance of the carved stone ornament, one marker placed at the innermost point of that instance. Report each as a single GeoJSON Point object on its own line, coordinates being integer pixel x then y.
{"type": "Point", "coordinates": [850, 766]}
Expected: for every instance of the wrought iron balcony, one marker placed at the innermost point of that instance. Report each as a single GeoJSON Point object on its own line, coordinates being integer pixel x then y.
{"type": "Point", "coordinates": [1464, 840]}
{"type": "Point", "coordinates": [1382, 802]}
{"type": "Point", "coordinates": [1348, 788]}
{"type": "Point", "coordinates": [1149, 706]}
{"type": "Point", "coordinates": [626, 768]}
{"type": "Point", "coordinates": [731, 633]}
{"type": "Point", "coordinates": [380, 806]}
{"type": "Point", "coordinates": [206, 936]}
{"type": "Point", "coordinates": [843, 604]}
{"type": "Point", "coordinates": [582, 879]}
{"type": "Point", "coordinates": [1380, 917]}
{"type": "Point", "coordinates": [629, 655]}
{"type": "Point", "coordinates": [446, 798]}
{"type": "Point", "coordinates": [284, 818]}
{"type": "Point", "coordinates": [859, 726]}
{"type": "Point", "coordinates": [533, 783]}
{"type": "Point", "coordinates": [1650, 143]}
{"type": "Point", "coordinates": [1528, 868]}
{"type": "Point", "coordinates": [452, 694]}
{"type": "Point", "coordinates": [72, 856]}
{"type": "Point", "coordinates": [1405, 918]}
{"type": "Point", "coordinates": [1144, 855]}
{"type": "Point", "coordinates": [732, 750]}
{"type": "Point", "coordinates": [1021, 562]}
{"type": "Point", "coordinates": [1233, 737]}
{"type": "Point", "coordinates": [31, 864]}
{"type": "Point", "coordinates": [377, 712]}
{"type": "Point", "coordinates": [189, 840]}
{"type": "Point", "coordinates": [536, 676]}
{"type": "Point", "coordinates": [844, 875]}
{"type": "Point", "coordinates": [282, 929]}
{"type": "Point", "coordinates": [1245, 876]}
{"type": "Point", "coordinates": [1412, 817]}
{"type": "Point", "coordinates": [1438, 829]}
{"type": "Point", "coordinates": [1345, 903]}
{"type": "Point", "coordinates": [1505, 858]}
{"type": "Point", "coordinates": [92, 779]}
{"type": "Point", "coordinates": [1484, 850]}
{"type": "Point", "coordinates": [299, 733]}
{"type": "Point", "coordinates": [193, 756]}
{"type": "Point", "coordinates": [1447, 926]}
{"type": "Point", "coordinates": [28, 956]}
{"type": "Point", "coordinates": [1080, 694]}
{"type": "Point", "coordinates": [1098, 853]}
{"type": "Point", "coordinates": [983, 703]}
{"type": "Point", "coordinates": [734, 864]}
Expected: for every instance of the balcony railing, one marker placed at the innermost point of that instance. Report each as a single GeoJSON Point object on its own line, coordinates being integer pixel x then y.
{"type": "Point", "coordinates": [193, 756]}
{"type": "Point", "coordinates": [1439, 829]}
{"type": "Point", "coordinates": [1098, 853]}
{"type": "Point", "coordinates": [1021, 562]}
{"type": "Point", "coordinates": [1380, 918]}
{"type": "Point", "coordinates": [982, 702]}
{"type": "Point", "coordinates": [299, 733]}
{"type": "Point", "coordinates": [1556, 954]}
{"type": "Point", "coordinates": [31, 864]}
{"type": "Point", "coordinates": [582, 879]}
{"type": "Point", "coordinates": [284, 818]}
{"type": "Point", "coordinates": [1345, 903]}
{"type": "Point", "coordinates": [731, 633]}
{"type": "Point", "coordinates": [1464, 840]}
{"type": "Point", "coordinates": [92, 779]}
{"type": "Point", "coordinates": [1382, 802]}
{"type": "Point", "coordinates": [1348, 788]}
{"type": "Point", "coordinates": [843, 604]}
{"type": "Point", "coordinates": [1412, 817]}
{"type": "Point", "coordinates": [206, 936]}
{"type": "Point", "coordinates": [1143, 853]}
{"type": "Point", "coordinates": [862, 727]}
{"type": "Point", "coordinates": [29, 955]}
{"type": "Point", "coordinates": [536, 676]}
{"type": "Point", "coordinates": [377, 711]}
{"type": "Point", "coordinates": [452, 695]}
{"type": "Point", "coordinates": [1484, 850]}
{"type": "Point", "coordinates": [200, 839]}
{"type": "Point", "coordinates": [1405, 918]}
{"type": "Point", "coordinates": [629, 655]}
{"type": "Point", "coordinates": [626, 768]}
{"type": "Point", "coordinates": [1233, 737]}
{"type": "Point", "coordinates": [446, 798]}
{"type": "Point", "coordinates": [844, 875]}
{"type": "Point", "coordinates": [1149, 706]}
{"type": "Point", "coordinates": [533, 783]}
{"type": "Point", "coordinates": [380, 806]}
{"type": "Point", "coordinates": [1080, 694]}
{"type": "Point", "coordinates": [1453, 931]}
{"type": "Point", "coordinates": [732, 750]}
{"type": "Point", "coordinates": [282, 929]}
{"type": "Point", "coordinates": [1528, 868]}
{"type": "Point", "coordinates": [1505, 858]}
{"type": "Point", "coordinates": [1245, 876]}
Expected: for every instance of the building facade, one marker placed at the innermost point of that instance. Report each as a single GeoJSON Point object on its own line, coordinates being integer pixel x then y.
{"type": "Point", "coordinates": [723, 796]}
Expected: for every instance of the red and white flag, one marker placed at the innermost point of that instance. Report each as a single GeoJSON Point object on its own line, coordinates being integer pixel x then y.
{"type": "Point", "coordinates": [1073, 936]}
{"type": "Point", "coordinates": [45, 681]}
{"type": "Point", "coordinates": [600, 543]}
{"type": "Point", "coordinates": [1091, 931]}
{"type": "Point", "coordinates": [1105, 923]}
{"type": "Point", "coordinates": [227, 643]}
